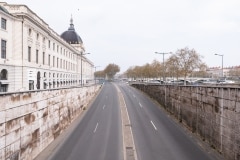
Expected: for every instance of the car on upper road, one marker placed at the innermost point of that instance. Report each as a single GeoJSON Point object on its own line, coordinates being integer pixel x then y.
{"type": "Point", "coordinates": [225, 81]}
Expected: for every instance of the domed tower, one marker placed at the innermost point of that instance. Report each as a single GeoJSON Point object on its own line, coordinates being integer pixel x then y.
{"type": "Point", "coordinates": [71, 37]}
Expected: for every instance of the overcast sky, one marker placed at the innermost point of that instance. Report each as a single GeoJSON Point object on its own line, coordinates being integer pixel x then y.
{"type": "Point", "coordinates": [128, 32]}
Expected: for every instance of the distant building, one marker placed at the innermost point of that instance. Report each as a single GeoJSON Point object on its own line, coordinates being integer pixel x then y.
{"type": "Point", "coordinates": [217, 71]}
{"type": "Point", "coordinates": [34, 56]}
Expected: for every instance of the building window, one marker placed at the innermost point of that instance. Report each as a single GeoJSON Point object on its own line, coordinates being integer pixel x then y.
{"type": "Point", "coordinates": [54, 46]}
{"type": "Point", "coordinates": [36, 56]}
{"type": "Point", "coordinates": [29, 31]}
{"type": "Point", "coordinates": [3, 76]}
{"type": "Point", "coordinates": [3, 49]}
{"type": "Point", "coordinates": [49, 56]}
{"type": "Point", "coordinates": [49, 44]}
{"type": "Point", "coordinates": [31, 85]}
{"type": "Point", "coordinates": [57, 62]}
{"type": "Point", "coordinates": [43, 57]}
{"type": "Point", "coordinates": [45, 85]}
{"type": "Point", "coordinates": [3, 87]}
{"type": "Point", "coordinates": [3, 23]}
{"type": "Point", "coordinates": [53, 61]}
{"type": "Point", "coordinates": [37, 36]}
{"type": "Point", "coordinates": [29, 54]}
{"type": "Point", "coordinates": [38, 80]}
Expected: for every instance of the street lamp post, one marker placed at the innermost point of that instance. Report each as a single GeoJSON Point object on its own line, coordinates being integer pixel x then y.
{"type": "Point", "coordinates": [222, 61]}
{"type": "Point", "coordinates": [95, 73]}
{"type": "Point", "coordinates": [163, 64]}
{"type": "Point", "coordinates": [81, 65]}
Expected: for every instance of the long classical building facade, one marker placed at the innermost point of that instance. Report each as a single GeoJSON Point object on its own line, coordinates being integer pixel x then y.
{"type": "Point", "coordinates": [34, 56]}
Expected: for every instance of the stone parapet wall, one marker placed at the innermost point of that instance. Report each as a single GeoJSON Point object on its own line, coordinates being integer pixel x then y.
{"type": "Point", "coordinates": [30, 121]}
{"type": "Point", "coordinates": [213, 113]}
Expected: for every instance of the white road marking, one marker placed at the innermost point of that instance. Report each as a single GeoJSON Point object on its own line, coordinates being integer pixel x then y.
{"type": "Point", "coordinates": [95, 128]}
{"type": "Point", "coordinates": [154, 125]}
{"type": "Point", "coordinates": [134, 96]}
{"type": "Point", "coordinates": [140, 104]}
{"type": "Point", "coordinates": [104, 106]}
{"type": "Point", "coordinates": [128, 139]}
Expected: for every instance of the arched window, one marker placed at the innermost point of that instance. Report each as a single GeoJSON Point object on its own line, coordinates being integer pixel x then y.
{"type": "Point", "coordinates": [3, 74]}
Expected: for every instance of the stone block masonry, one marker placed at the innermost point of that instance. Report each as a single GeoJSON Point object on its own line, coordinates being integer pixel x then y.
{"type": "Point", "coordinates": [30, 121]}
{"type": "Point", "coordinates": [213, 113]}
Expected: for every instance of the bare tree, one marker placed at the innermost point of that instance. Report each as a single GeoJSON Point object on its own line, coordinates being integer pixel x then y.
{"type": "Point", "coordinates": [99, 74]}
{"type": "Point", "coordinates": [131, 73]}
{"type": "Point", "coordinates": [153, 70]}
{"type": "Point", "coordinates": [202, 71]}
{"type": "Point", "coordinates": [111, 70]}
{"type": "Point", "coordinates": [157, 69]}
{"type": "Point", "coordinates": [172, 66]}
{"type": "Point", "coordinates": [183, 63]}
{"type": "Point", "coordinates": [188, 60]}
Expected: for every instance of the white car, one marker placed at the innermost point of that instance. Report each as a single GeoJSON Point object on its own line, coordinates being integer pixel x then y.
{"type": "Point", "coordinates": [225, 81]}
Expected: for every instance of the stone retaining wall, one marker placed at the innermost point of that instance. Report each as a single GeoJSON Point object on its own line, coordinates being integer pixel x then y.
{"type": "Point", "coordinates": [213, 113]}
{"type": "Point", "coordinates": [30, 121]}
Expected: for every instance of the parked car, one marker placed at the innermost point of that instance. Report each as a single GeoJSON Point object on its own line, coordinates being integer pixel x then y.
{"type": "Point", "coordinates": [225, 81]}
{"type": "Point", "coordinates": [210, 81]}
{"type": "Point", "coordinates": [156, 81]}
{"type": "Point", "coordinates": [180, 82]}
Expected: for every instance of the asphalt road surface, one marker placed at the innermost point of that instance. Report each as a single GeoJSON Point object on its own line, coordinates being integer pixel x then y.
{"type": "Point", "coordinates": [98, 135]}
{"type": "Point", "coordinates": [156, 135]}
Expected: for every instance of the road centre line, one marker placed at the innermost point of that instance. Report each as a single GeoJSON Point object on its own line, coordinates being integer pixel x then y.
{"type": "Point", "coordinates": [134, 96]}
{"type": "Point", "coordinates": [95, 128]}
{"type": "Point", "coordinates": [154, 125]}
{"type": "Point", "coordinates": [128, 140]}
{"type": "Point", "coordinates": [140, 104]}
{"type": "Point", "coordinates": [104, 106]}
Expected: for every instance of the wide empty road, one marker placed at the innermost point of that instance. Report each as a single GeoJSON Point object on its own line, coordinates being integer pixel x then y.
{"type": "Point", "coordinates": [98, 135]}
{"type": "Point", "coordinates": [156, 135]}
